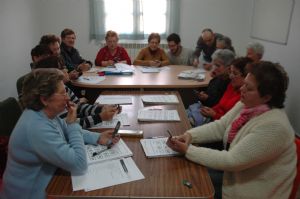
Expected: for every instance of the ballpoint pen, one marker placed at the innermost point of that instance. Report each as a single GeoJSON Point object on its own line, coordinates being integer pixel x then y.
{"type": "Point", "coordinates": [99, 152]}
{"type": "Point", "coordinates": [124, 165]}
{"type": "Point", "coordinates": [170, 135]}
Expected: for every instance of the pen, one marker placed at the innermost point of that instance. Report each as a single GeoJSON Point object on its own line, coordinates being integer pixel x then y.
{"type": "Point", "coordinates": [86, 78]}
{"type": "Point", "coordinates": [99, 152]}
{"type": "Point", "coordinates": [170, 135]}
{"type": "Point", "coordinates": [154, 137]}
{"type": "Point", "coordinates": [124, 165]}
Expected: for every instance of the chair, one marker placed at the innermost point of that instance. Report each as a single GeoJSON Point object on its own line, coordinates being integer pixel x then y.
{"type": "Point", "coordinates": [10, 112]}
{"type": "Point", "coordinates": [297, 178]}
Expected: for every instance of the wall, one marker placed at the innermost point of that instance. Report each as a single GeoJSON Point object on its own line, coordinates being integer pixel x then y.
{"type": "Point", "coordinates": [19, 28]}
{"type": "Point", "coordinates": [289, 57]}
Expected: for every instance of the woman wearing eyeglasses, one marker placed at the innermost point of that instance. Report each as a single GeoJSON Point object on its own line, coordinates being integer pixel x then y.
{"type": "Point", "coordinates": [259, 156]}
{"type": "Point", "coordinates": [41, 141]}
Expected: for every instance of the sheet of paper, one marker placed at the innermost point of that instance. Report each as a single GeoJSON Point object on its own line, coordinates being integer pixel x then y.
{"type": "Point", "coordinates": [158, 115]}
{"type": "Point", "coordinates": [119, 150]}
{"type": "Point", "coordinates": [107, 174]}
{"type": "Point", "coordinates": [145, 69]}
{"type": "Point", "coordinates": [160, 99]}
{"type": "Point", "coordinates": [122, 117]}
{"type": "Point", "coordinates": [91, 79]}
{"type": "Point", "coordinates": [114, 99]}
{"type": "Point", "coordinates": [157, 147]}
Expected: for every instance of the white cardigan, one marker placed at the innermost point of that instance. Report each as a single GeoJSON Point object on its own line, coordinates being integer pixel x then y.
{"type": "Point", "coordinates": [261, 160]}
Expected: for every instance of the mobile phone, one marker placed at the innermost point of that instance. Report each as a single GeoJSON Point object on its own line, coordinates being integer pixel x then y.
{"type": "Point", "coordinates": [116, 129]}
{"type": "Point", "coordinates": [114, 133]}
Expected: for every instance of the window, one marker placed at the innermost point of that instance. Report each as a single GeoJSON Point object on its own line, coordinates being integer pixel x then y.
{"type": "Point", "coordinates": [134, 19]}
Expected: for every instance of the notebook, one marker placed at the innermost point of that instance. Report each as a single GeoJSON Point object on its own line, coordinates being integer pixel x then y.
{"type": "Point", "coordinates": [157, 147]}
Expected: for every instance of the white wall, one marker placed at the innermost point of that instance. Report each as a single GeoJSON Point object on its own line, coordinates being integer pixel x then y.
{"type": "Point", "coordinates": [289, 57]}
{"type": "Point", "coordinates": [23, 22]}
{"type": "Point", "coordinates": [228, 17]}
{"type": "Point", "coordinates": [18, 29]}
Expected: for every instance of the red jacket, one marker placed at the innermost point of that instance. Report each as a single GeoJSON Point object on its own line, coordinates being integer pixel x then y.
{"type": "Point", "coordinates": [228, 100]}
{"type": "Point", "coordinates": [105, 55]}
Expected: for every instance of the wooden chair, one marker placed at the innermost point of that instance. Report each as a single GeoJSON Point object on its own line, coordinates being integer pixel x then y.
{"type": "Point", "coordinates": [297, 178]}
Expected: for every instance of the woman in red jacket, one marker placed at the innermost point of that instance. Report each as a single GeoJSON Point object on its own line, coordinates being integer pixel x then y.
{"type": "Point", "coordinates": [238, 72]}
{"type": "Point", "coordinates": [112, 53]}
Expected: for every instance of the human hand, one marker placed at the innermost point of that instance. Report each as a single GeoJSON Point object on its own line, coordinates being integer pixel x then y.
{"type": "Point", "coordinates": [109, 63]}
{"type": "Point", "coordinates": [84, 66]}
{"type": "Point", "coordinates": [207, 66]}
{"type": "Point", "coordinates": [203, 96]}
{"type": "Point", "coordinates": [108, 112]}
{"type": "Point", "coordinates": [208, 112]}
{"type": "Point", "coordinates": [155, 63]}
{"type": "Point", "coordinates": [72, 112]}
{"type": "Point", "coordinates": [196, 62]}
{"type": "Point", "coordinates": [179, 143]}
{"type": "Point", "coordinates": [107, 139]}
{"type": "Point", "coordinates": [73, 75]}
{"type": "Point", "coordinates": [83, 100]}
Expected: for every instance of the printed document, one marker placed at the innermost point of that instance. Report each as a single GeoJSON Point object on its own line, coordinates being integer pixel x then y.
{"type": "Point", "coordinates": [122, 117]}
{"type": "Point", "coordinates": [107, 174]}
{"type": "Point", "coordinates": [160, 99]}
{"type": "Point", "coordinates": [158, 115]}
{"type": "Point", "coordinates": [157, 147]}
{"type": "Point", "coordinates": [114, 99]}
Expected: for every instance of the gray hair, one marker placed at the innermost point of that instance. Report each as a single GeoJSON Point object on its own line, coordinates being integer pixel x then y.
{"type": "Point", "coordinates": [224, 55]}
{"type": "Point", "coordinates": [40, 82]}
{"type": "Point", "coordinates": [258, 48]}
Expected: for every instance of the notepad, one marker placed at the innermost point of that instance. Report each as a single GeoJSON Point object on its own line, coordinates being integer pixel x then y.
{"type": "Point", "coordinates": [157, 148]}
{"type": "Point", "coordinates": [160, 99]}
{"type": "Point", "coordinates": [119, 150]}
{"type": "Point", "coordinates": [107, 174]}
{"type": "Point", "coordinates": [114, 99]}
{"type": "Point", "coordinates": [197, 74]}
{"type": "Point", "coordinates": [158, 115]}
{"type": "Point", "coordinates": [90, 79]}
{"type": "Point", "coordinates": [149, 69]}
{"type": "Point", "coordinates": [122, 117]}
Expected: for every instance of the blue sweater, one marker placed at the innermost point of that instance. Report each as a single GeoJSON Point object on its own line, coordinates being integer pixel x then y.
{"type": "Point", "coordinates": [37, 147]}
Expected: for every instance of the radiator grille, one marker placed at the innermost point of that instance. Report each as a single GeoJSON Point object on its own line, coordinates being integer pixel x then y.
{"type": "Point", "coordinates": [134, 48]}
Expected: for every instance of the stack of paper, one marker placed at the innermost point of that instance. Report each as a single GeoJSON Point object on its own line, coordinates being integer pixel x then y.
{"type": "Point", "coordinates": [107, 167]}
{"type": "Point", "coordinates": [122, 117]}
{"type": "Point", "coordinates": [157, 147]}
{"type": "Point", "coordinates": [158, 115]}
{"type": "Point", "coordinates": [114, 99]}
{"type": "Point", "coordinates": [192, 74]}
{"type": "Point", "coordinates": [160, 99]}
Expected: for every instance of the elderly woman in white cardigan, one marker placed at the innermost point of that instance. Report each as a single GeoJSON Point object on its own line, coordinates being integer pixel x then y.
{"type": "Point", "coordinates": [259, 156]}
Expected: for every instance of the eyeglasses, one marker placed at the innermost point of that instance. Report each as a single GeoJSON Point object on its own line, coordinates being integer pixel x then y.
{"type": "Point", "coordinates": [62, 94]}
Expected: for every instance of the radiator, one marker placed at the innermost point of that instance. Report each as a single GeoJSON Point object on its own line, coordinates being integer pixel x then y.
{"type": "Point", "coordinates": [134, 48]}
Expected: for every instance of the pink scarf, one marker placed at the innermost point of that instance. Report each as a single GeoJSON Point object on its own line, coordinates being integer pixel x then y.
{"type": "Point", "coordinates": [245, 116]}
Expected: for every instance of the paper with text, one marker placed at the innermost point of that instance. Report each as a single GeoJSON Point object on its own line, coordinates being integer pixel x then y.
{"type": "Point", "coordinates": [160, 99]}
{"type": "Point", "coordinates": [119, 150]}
{"type": "Point", "coordinates": [158, 115]}
{"type": "Point", "coordinates": [157, 147]}
{"type": "Point", "coordinates": [107, 174]}
{"type": "Point", "coordinates": [122, 117]}
{"type": "Point", "coordinates": [90, 79]}
{"type": "Point", "coordinates": [114, 99]}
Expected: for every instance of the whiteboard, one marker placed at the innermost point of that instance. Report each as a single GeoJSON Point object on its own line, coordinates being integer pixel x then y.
{"type": "Point", "coordinates": [271, 20]}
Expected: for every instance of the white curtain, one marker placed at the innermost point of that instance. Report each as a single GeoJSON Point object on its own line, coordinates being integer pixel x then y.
{"type": "Point", "coordinates": [97, 20]}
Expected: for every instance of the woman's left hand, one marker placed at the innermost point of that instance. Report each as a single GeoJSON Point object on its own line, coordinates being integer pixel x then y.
{"type": "Point", "coordinates": [208, 112]}
{"type": "Point", "coordinates": [107, 139]}
{"type": "Point", "coordinates": [72, 112]}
